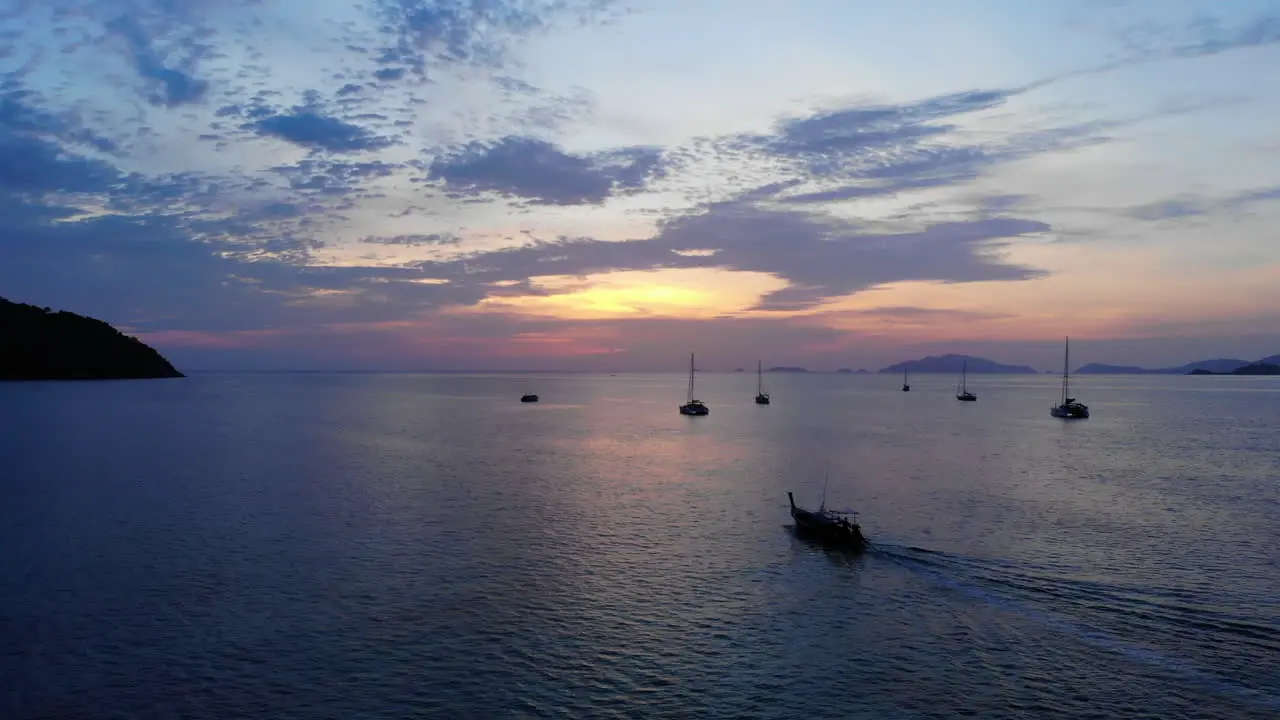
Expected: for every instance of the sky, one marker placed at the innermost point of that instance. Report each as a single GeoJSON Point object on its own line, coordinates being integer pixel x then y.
{"type": "Point", "coordinates": [609, 185]}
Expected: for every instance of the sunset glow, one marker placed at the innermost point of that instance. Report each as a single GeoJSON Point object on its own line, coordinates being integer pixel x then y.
{"type": "Point", "coordinates": [427, 185]}
{"type": "Point", "coordinates": [663, 293]}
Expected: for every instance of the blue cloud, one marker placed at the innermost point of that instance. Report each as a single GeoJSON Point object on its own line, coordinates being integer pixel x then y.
{"type": "Point", "coordinates": [863, 130]}
{"type": "Point", "coordinates": [540, 172]}
{"type": "Point", "coordinates": [168, 86]}
{"type": "Point", "coordinates": [1166, 210]}
{"type": "Point", "coordinates": [20, 113]}
{"type": "Point", "coordinates": [1188, 206]}
{"type": "Point", "coordinates": [334, 178]}
{"type": "Point", "coordinates": [310, 129]}
{"type": "Point", "coordinates": [465, 31]}
{"type": "Point", "coordinates": [820, 257]}
{"type": "Point", "coordinates": [880, 150]}
{"type": "Point", "coordinates": [31, 165]}
{"type": "Point", "coordinates": [1203, 36]}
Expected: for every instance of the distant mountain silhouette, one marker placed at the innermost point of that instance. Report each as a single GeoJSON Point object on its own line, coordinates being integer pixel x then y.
{"type": "Point", "coordinates": [1103, 369]}
{"type": "Point", "coordinates": [1258, 368]}
{"type": "Point", "coordinates": [953, 363]}
{"type": "Point", "coordinates": [42, 344]}
{"type": "Point", "coordinates": [787, 368]}
{"type": "Point", "coordinates": [1218, 366]}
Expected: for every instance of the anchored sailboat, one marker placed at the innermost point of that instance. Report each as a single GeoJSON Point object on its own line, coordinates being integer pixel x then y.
{"type": "Point", "coordinates": [1068, 408]}
{"type": "Point", "coordinates": [693, 406]}
{"type": "Point", "coordinates": [905, 386]}
{"type": "Point", "coordinates": [762, 397]}
{"type": "Point", "coordinates": [962, 389]}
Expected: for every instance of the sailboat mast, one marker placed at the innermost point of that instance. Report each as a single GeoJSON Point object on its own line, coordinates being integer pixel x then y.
{"type": "Point", "coordinates": [826, 478]}
{"type": "Point", "coordinates": [690, 377]}
{"type": "Point", "coordinates": [1066, 355]}
{"type": "Point", "coordinates": [759, 376]}
{"type": "Point", "coordinates": [964, 375]}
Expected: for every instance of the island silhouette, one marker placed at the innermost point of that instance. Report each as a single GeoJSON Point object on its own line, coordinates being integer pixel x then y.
{"type": "Point", "coordinates": [45, 344]}
{"type": "Point", "coordinates": [1216, 366]}
{"type": "Point", "coordinates": [953, 363]}
{"type": "Point", "coordinates": [1258, 368]}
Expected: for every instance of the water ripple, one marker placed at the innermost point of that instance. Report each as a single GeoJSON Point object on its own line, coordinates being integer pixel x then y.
{"type": "Point", "coordinates": [423, 546]}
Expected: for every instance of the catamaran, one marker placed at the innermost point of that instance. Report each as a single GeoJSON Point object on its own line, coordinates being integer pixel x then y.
{"type": "Point", "coordinates": [693, 406]}
{"type": "Point", "coordinates": [1068, 408]}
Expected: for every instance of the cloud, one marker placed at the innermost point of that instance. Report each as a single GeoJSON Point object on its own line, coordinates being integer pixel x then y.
{"type": "Point", "coordinates": [414, 240]}
{"type": "Point", "coordinates": [421, 33]}
{"type": "Point", "coordinates": [105, 205]}
{"type": "Point", "coordinates": [157, 272]}
{"type": "Point", "coordinates": [334, 177]}
{"type": "Point", "coordinates": [20, 113]}
{"type": "Point", "coordinates": [902, 313]}
{"type": "Point", "coordinates": [1166, 210]}
{"type": "Point", "coordinates": [821, 257]}
{"type": "Point", "coordinates": [1187, 206]}
{"type": "Point", "coordinates": [310, 129]}
{"type": "Point", "coordinates": [538, 171]}
{"type": "Point", "coordinates": [1201, 37]}
{"type": "Point", "coordinates": [858, 131]}
{"type": "Point", "coordinates": [167, 86]}
{"type": "Point", "coordinates": [866, 151]}
{"type": "Point", "coordinates": [33, 165]}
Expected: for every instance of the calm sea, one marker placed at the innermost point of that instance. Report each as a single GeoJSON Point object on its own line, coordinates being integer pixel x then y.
{"type": "Point", "coordinates": [390, 546]}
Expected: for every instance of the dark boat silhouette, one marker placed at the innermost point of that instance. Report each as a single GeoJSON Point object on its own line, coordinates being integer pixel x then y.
{"type": "Point", "coordinates": [1068, 408]}
{"type": "Point", "coordinates": [693, 406]}
{"type": "Point", "coordinates": [962, 389]}
{"type": "Point", "coordinates": [528, 397]}
{"type": "Point", "coordinates": [762, 397]}
{"type": "Point", "coordinates": [838, 528]}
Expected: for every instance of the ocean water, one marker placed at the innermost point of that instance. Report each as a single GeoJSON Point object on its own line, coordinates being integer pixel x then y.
{"type": "Point", "coordinates": [388, 546]}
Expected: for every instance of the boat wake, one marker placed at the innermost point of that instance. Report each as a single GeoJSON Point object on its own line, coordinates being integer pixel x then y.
{"type": "Point", "coordinates": [1077, 608]}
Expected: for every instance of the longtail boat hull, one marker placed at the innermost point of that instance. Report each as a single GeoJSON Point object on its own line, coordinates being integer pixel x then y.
{"type": "Point", "coordinates": [829, 527]}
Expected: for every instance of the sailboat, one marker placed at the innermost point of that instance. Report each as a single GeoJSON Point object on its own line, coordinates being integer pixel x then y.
{"type": "Point", "coordinates": [1068, 408]}
{"type": "Point", "coordinates": [905, 386]}
{"type": "Point", "coordinates": [694, 406]}
{"type": "Point", "coordinates": [762, 397]}
{"type": "Point", "coordinates": [962, 389]}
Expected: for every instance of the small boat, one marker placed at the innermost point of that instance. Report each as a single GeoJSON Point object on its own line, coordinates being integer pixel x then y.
{"type": "Point", "coordinates": [693, 406]}
{"type": "Point", "coordinates": [905, 386]}
{"type": "Point", "coordinates": [528, 397]}
{"type": "Point", "coordinates": [1068, 408]}
{"type": "Point", "coordinates": [762, 397]}
{"type": "Point", "coordinates": [962, 390]}
{"type": "Point", "coordinates": [834, 527]}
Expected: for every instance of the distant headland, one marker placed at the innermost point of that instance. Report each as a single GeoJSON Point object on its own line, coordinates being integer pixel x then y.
{"type": "Point", "coordinates": [1218, 366]}
{"type": "Point", "coordinates": [1258, 368]}
{"type": "Point", "coordinates": [953, 364]}
{"type": "Point", "coordinates": [44, 344]}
